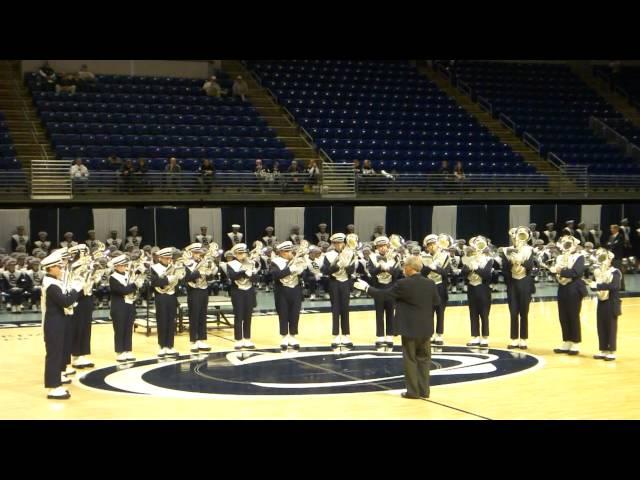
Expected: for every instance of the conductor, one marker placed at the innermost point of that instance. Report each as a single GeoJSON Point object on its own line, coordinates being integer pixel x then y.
{"type": "Point", "coordinates": [415, 297]}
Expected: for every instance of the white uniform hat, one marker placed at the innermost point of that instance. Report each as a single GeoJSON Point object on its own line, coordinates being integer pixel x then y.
{"type": "Point", "coordinates": [239, 248]}
{"type": "Point", "coordinates": [197, 246]}
{"type": "Point", "coordinates": [430, 239]}
{"type": "Point", "coordinates": [381, 240]}
{"type": "Point", "coordinates": [285, 246]}
{"type": "Point", "coordinates": [81, 247]}
{"type": "Point", "coordinates": [119, 260]}
{"type": "Point", "coordinates": [133, 228]}
{"type": "Point", "coordinates": [54, 259]}
{"type": "Point", "coordinates": [235, 225]}
{"type": "Point", "coordinates": [338, 237]}
{"type": "Point", "coordinates": [165, 252]}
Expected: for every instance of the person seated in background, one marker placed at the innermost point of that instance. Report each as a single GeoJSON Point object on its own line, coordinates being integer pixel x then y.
{"type": "Point", "coordinates": [207, 173]}
{"type": "Point", "coordinates": [293, 174]}
{"type": "Point", "coordinates": [142, 166]}
{"type": "Point", "coordinates": [47, 76]}
{"type": "Point", "coordinates": [458, 172]}
{"type": "Point", "coordinates": [212, 87]}
{"type": "Point", "coordinates": [66, 83]}
{"type": "Point", "coordinates": [86, 79]}
{"type": "Point", "coordinates": [444, 168]}
{"type": "Point", "coordinates": [114, 162]}
{"type": "Point", "coordinates": [357, 168]}
{"type": "Point", "coordinates": [172, 169]}
{"type": "Point", "coordinates": [240, 88]}
{"type": "Point", "coordinates": [126, 173]}
{"type": "Point", "coordinates": [367, 168]}
{"type": "Point", "coordinates": [313, 172]}
{"type": "Point", "coordinates": [78, 171]}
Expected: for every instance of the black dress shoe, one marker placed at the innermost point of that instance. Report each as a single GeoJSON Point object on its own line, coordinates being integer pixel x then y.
{"type": "Point", "coordinates": [523, 347]}
{"type": "Point", "coordinates": [204, 349]}
{"type": "Point", "coordinates": [410, 397]}
{"type": "Point", "coordinates": [66, 381]}
{"type": "Point", "coordinates": [573, 352]}
{"type": "Point", "coordinates": [283, 348]}
{"type": "Point", "coordinates": [389, 344]}
{"type": "Point", "coordinates": [62, 397]}
{"type": "Point", "coordinates": [195, 350]}
{"type": "Point", "coordinates": [439, 342]}
{"type": "Point", "coordinates": [296, 347]}
{"type": "Point", "coordinates": [334, 345]}
{"type": "Point", "coordinates": [80, 367]}
{"type": "Point", "coordinates": [473, 344]}
{"type": "Point", "coordinates": [424, 396]}
{"type": "Point", "coordinates": [597, 356]}
{"type": "Point", "coordinates": [348, 346]}
{"type": "Point", "coordinates": [560, 350]}
{"type": "Point", "coordinates": [511, 347]}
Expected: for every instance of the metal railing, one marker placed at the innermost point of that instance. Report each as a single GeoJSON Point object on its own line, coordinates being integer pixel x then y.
{"type": "Point", "coordinates": [531, 141]}
{"type": "Point", "coordinates": [13, 184]}
{"type": "Point", "coordinates": [507, 122]}
{"type": "Point", "coordinates": [485, 105]}
{"type": "Point", "coordinates": [191, 184]}
{"type": "Point", "coordinates": [479, 185]}
{"type": "Point", "coordinates": [605, 128]}
{"type": "Point", "coordinates": [556, 161]}
{"type": "Point", "coordinates": [465, 88]}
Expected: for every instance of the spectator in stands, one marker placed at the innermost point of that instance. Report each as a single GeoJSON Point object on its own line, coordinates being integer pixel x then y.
{"type": "Point", "coordinates": [47, 76]}
{"type": "Point", "coordinates": [240, 88]}
{"type": "Point", "coordinates": [172, 169]}
{"type": "Point", "coordinates": [367, 168]}
{"type": "Point", "coordinates": [313, 172]}
{"type": "Point", "coordinates": [357, 168]}
{"type": "Point", "coordinates": [458, 172]}
{"type": "Point", "coordinates": [140, 171]}
{"type": "Point", "coordinates": [444, 168]}
{"type": "Point", "coordinates": [79, 174]}
{"type": "Point", "coordinates": [66, 83]}
{"type": "Point", "coordinates": [86, 79]}
{"type": "Point", "coordinates": [125, 174]}
{"type": "Point", "coordinates": [293, 175]}
{"type": "Point", "coordinates": [79, 171]}
{"type": "Point", "coordinates": [262, 174]}
{"type": "Point", "coordinates": [207, 173]}
{"type": "Point", "coordinates": [212, 87]}
{"type": "Point", "coordinates": [114, 162]}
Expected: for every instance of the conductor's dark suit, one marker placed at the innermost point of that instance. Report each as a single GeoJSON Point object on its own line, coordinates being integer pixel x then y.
{"type": "Point", "coordinates": [616, 245]}
{"type": "Point", "coordinates": [415, 297]}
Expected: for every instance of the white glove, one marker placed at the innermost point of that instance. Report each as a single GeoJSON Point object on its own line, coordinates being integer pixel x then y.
{"type": "Point", "coordinates": [171, 278]}
{"type": "Point", "coordinates": [295, 270]}
{"type": "Point", "coordinates": [456, 271]}
{"type": "Point", "coordinates": [361, 285]}
{"type": "Point", "coordinates": [593, 285]}
{"type": "Point", "coordinates": [77, 285]}
{"type": "Point", "coordinates": [552, 269]}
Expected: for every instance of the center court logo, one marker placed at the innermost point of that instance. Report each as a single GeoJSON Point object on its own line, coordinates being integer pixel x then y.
{"type": "Point", "coordinates": [311, 371]}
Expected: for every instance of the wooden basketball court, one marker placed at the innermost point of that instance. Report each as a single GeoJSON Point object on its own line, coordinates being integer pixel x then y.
{"type": "Point", "coordinates": [560, 387]}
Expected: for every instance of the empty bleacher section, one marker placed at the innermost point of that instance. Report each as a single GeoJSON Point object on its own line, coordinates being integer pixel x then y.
{"type": "Point", "coordinates": [385, 112]}
{"type": "Point", "coordinates": [550, 106]}
{"type": "Point", "coordinates": [156, 118]}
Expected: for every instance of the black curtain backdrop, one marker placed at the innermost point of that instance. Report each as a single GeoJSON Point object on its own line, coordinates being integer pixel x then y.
{"type": "Point", "coordinates": [258, 218]}
{"type": "Point", "coordinates": [44, 219]}
{"type": "Point", "coordinates": [420, 221]}
{"type": "Point", "coordinates": [172, 227]}
{"type": "Point", "coordinates": [143, 219]}
{"type": "Point", "coordinates": [314, 216]}
{"type": "Point", "coordinates": [343, 216]}
{"type": "Point", "coordinates": [398, 221]}
{"type": "Point", "coordinates": [471, 220]}
{"type": "Point", "coordinates": [567, 211]}
{"type": "Point", "coordinates": [231, 215]}
{"type": "Point", "coordinates": [632, 212]}
{"type": "Point", "coordinates": [541, 214]}
{"type": "Point", "coordinates": [498, 224]}
{"type": "Point", "coordinates": [78, 220]}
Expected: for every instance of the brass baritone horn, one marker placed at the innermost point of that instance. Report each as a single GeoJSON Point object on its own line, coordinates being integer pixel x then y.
{"type": "Point", "coordinates": [352, 241]}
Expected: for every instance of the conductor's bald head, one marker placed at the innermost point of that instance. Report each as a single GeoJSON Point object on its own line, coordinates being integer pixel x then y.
{"type": "Point", "coordinates": [412, 265]}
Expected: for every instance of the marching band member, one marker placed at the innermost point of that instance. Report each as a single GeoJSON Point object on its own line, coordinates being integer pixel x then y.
{"type": "Point", "coordinates": [134, 239]}
{"type": "Point", "coordinates": [377, 232]}
{"type": "Point", "coordinates": [535, 234]}
{"type": "Point", "coordinates": [595, 235]}
{"type": "Point", "coordinates": [42, 243]}
{"type": "Point", "coordinates": [339, 266]}
{"type": "Point", "coordinates": [56, 324]}
{"type": "Point", "coordinates": [569, 269]}
{"type": "Point", "coordinates": [322, 235]}
{"type": "Point", "coordinates": [165, 276]}
{"type": "Point", "coordinates": [569, 228]}
{"type": "Point", "coordinates": [224, 270]}
{"type": "Point", "coordinates": [123, 308]}
{"type": "Point", "coordinates": [607, 285]}
{"type": "Point", "coordinates": [435, 266]}
{"type": "Point", "coordinates": [313, 276]}
{"type": "Point", "coordinates": [241, 271]}
{"type": "Point", "coordinates": [550, 233]}
{"type": "Point", "coordinates": [476, 269]}
{"type": "Point", "coordinates": [269, 239]}
{"type": "Point", "coordinates": [616, 246]}
{"type": "Point", "coordinates": [68, 241]}
{"type": "Point", "coordinates": [20, 238]}
{"type": "Point", "coordinates": [286, 269]}
{"type": "Point", "coordinates": [36, 275]}
{"type": "Point", "coordinates": [91, 242]}
{"type": "Point", "coordinates": [384, 266]}
{"type": "Point", "coordinates": [581, 233]}
{"type": "Point", "coordinates": [203, 238]}
{"type": "Point", "coordinates": [82, 311]}
{"type": "Point", "coordinates": [517, 267]}
{"type": "Point", "coordinates": [13, 283]}
{"type": "Point", "coordinates": [198, 271]}
{"type": "Point", "coordinates": [114, 240]}
{"type": "Point", "coordinates": [234, 237]}
{"type": "Point", "coordinates": [295, 236]}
